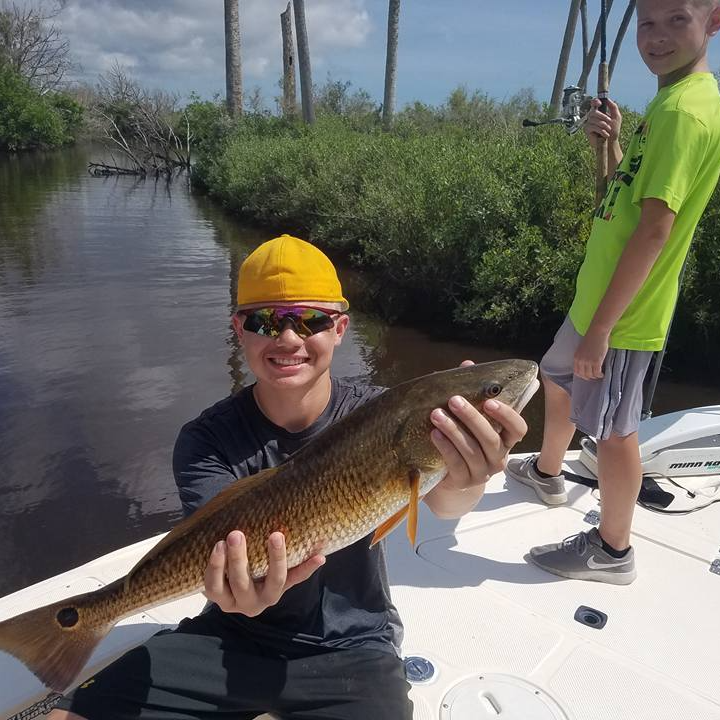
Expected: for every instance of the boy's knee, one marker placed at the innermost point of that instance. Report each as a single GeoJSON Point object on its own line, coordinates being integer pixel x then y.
{"type": "Point", "coordinates": [619, 440]}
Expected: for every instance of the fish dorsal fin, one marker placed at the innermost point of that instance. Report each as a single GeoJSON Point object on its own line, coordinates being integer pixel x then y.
{"type": "Point", "coordinates": [223, 498]}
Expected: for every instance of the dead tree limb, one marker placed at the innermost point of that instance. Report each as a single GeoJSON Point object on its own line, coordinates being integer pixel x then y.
{"type": "Point", "coordinates": [560, 75]}
{"type": "Point", "coordinates": [391, 62]}
{"type": "Point", "coordinates": [33, 44]}
{"type": "Point", "coordinates": [289, 94]}
{"type": "Point", "coordinates": [142, 126]}
{"type": "Point", "coordinates": [104, 169]}
{"type": "Point", "coordinates": [621, 35]}
{"type": "Point", "coordinates": [233, 63]}
{"type": "Point", "coordinates": [303, 46]}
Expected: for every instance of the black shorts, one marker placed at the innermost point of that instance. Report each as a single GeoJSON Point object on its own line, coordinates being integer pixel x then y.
{"type": "Point", "coordinates": [210, 668]}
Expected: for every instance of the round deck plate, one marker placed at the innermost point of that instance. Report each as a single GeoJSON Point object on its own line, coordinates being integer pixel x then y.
{"type": "Point", "coordinates": [499, 696]}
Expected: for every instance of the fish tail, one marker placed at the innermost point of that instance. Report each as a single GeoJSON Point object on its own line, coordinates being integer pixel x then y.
{"type": "Point", "coordinates": [55, 641]}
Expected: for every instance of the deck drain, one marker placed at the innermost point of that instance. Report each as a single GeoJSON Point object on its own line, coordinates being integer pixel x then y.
{"type": "Point", "coordinates": [418, 670]}
{"type": "Point", "coordinates": [591, 617]}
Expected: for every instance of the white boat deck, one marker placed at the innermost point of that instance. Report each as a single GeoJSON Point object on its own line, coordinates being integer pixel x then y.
{"type": "Point", "coordinates": [500, 632]}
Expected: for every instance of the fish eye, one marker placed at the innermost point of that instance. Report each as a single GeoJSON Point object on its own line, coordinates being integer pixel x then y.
{"type": "Point", "coordinates": [494, 389]}
{"type": "Point", "coordinates": [67, 617]}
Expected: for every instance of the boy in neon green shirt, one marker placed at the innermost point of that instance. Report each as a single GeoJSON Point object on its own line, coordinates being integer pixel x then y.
{"type": "Point", "coordinates": [628, 283]}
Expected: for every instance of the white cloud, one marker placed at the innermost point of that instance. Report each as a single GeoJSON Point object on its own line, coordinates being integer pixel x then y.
{"type": "Point", "coordinates": [179, 44]}
{"type": "Point", "coordinates": [334, 28]}
{"type": "Point", "coordinates": [105, 61]}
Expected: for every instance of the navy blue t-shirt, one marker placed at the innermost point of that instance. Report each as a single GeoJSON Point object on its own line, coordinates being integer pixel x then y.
{"type": "Point", "coordinates": [345, 603]}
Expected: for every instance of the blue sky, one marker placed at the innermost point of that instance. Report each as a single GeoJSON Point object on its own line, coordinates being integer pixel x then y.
{"type": "Point", "coordinates": [497, 47]}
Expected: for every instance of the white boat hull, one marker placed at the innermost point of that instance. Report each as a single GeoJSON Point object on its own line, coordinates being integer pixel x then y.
{"type": "Point", "coordinates": [497, 630]}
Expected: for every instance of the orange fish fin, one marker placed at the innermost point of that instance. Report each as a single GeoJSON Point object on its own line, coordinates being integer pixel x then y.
{"type": "Point", "coordinates": [389, 525]}
{"type": "Point", "coordinates": [412, 521]}
{"type": "Point", "coordinates": [225, 496]}
{"type": "Point", "coordinates": [54, 642]}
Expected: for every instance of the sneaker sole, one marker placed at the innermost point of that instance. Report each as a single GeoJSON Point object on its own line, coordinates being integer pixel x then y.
{"type": "Point", "coordinates": [547, 498]}
{"type": "Point", "coordinates": [612, 578]}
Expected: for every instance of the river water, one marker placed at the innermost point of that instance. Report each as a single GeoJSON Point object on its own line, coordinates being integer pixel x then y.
{"type": "Point", "coordinates": [115, 304]}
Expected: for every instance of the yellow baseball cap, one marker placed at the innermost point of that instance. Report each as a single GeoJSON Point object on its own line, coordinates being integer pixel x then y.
{"type": "Point", "coordinates": [288, 269]}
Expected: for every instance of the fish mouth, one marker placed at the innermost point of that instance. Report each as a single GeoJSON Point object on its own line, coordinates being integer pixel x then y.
{"type": "Point", "coordinates": [527, 394]}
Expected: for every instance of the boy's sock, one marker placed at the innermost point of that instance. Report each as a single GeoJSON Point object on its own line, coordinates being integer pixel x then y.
{"type": "Point", "coordinates": [610, 550]}
{"type": "Point", "coordinates": [543, 475]}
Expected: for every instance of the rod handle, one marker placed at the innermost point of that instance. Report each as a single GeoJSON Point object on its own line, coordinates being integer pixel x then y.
{"type": "Point", "coordinates": [601, 167]}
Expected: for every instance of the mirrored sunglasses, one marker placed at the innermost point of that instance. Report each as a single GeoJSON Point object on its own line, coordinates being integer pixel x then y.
{"type": "Point", "coordinates": [271, 321]}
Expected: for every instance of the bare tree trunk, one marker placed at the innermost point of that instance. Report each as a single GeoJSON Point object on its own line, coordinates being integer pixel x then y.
{"type": "Point", "coordinates": [233, 64]}
{"type": "Point", "coordinates": [556, 98]}
{"type": "Point", "coordinates": [391, 62]}
{"type": "Point", "coordinates": [584, 22]}
{"type": "Point", "coordinates": [590, 57]}
{"type": "Point", "coordinates": [289, 96]}
{"type": "Point", "coordinates": [621, 35]}
{"type": "Point", "coordinates": [306, 89]}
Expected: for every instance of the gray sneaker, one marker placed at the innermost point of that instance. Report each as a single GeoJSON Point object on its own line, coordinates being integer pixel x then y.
{"type": "Point", "coordinates": [582, 557]}
{"type": "Point", "coordinates": [550, 490]}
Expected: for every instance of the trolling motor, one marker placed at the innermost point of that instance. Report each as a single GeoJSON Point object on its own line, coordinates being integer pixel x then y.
{"type": "Point", "coordinates": [575, 107]}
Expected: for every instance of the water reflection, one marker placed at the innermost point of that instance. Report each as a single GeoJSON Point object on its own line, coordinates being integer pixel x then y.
{"type": "Point", "coordinates": [237, 248]}
{"type": "Point", "coordinates": [115, 304]}
{"type": "Point", "coordinates": [112, 317]}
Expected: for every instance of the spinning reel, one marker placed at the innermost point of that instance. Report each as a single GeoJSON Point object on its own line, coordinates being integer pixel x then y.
{"type": "Point", "coordinates": [575, 107]}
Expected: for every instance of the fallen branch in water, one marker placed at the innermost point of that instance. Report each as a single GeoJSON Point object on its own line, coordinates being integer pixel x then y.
{"type": "Point", "coordinates": [103, 169]}
{"type": "Point", "coordinates": [141, 125]}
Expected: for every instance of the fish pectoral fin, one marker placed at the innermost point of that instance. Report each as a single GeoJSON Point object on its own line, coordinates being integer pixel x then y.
{"type": "Point", "coordinates": [412, 521]}
{"type": "Point", "coordinates": [411, 510]}
{"type": "Point", "coordinates": [389, 525]}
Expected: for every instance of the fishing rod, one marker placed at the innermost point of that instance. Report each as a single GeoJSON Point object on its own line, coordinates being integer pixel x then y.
{"type": "Point", "coordinates": [601, 151]}
{"type": "Point", "coordinates": [576, 105]}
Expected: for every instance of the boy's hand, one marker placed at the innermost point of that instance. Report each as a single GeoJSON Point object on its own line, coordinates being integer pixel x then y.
{"type": "Point", "coordinates": [474, 451]}
{"type": "Point", "coordinates": [603, 125]}
{"type": "Point", "coordinates": [228, 582]}
{"type": "Point", "coordinates": [590, 355]}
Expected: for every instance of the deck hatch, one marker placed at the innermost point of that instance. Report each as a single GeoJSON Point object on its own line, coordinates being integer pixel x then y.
{"type": "Point", "coordinates": [499, 696]}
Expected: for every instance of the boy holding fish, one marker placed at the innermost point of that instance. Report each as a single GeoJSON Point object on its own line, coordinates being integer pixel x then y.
{"type": "Point", "coordinates": [320, 639]}
{"type": "Point", "coordinates": [628, 284]}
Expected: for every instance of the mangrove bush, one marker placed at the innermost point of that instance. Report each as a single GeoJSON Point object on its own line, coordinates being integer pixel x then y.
{"type": "Point", "coordinates": [458, 212]}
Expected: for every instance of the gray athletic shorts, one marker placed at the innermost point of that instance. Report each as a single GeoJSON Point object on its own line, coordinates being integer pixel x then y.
{"type": "Point", "coordinates": [604, 407]}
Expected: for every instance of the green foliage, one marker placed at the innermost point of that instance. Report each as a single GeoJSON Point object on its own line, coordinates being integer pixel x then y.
{"type": "Point", "coordinates": [29, 119]}
{"type": "Point", "coordinates": [697, 325]}
{"type": "Point", "coordinates": [210, 124]}
{"type": "Point", "coordinates": [71, 112]}
{"type": "Point", "coordinates": [456, 210]}
{"type": "Point", "coordinates": [335, 98]}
